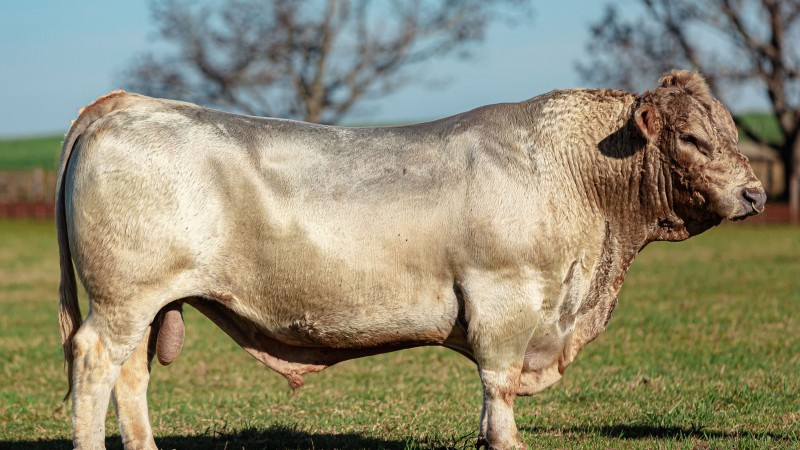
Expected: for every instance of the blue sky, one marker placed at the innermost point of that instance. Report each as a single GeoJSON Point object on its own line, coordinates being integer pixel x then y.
{"type": "Point", "coordinates": [58, 56]}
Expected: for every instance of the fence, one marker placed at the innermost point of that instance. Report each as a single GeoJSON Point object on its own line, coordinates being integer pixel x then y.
{"type": "Point", "coordinates": [27, 194]}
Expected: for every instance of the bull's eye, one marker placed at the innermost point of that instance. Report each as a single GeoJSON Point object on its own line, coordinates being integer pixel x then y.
{"type": "Point", "coordinates": [699, 145]}
{"type": "Point", "coordinates": [689, 139]}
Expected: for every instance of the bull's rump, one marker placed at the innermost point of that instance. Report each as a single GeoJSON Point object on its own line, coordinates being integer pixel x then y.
{"type": "Point", "coordinates": [318, 235]}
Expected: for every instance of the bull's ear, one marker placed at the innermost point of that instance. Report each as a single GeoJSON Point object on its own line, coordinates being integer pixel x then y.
{"type": "Point", "coordinates": [648, 121]}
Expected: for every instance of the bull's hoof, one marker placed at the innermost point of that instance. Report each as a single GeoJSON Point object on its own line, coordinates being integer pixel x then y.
{"type": "Point", "coordinates": [484, 443]}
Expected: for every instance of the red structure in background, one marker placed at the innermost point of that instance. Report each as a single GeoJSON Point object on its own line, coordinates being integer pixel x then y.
{"type": "Point", "coordinates": [773, 213]}
{"type": "Point", "coordinates": [27, 210]}
{"type": "Point", "coordinates": [27, 194]}
{"type": "Point", "coordinates": [30, 195]}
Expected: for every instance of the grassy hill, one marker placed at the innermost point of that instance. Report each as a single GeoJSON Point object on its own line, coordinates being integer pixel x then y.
{"type": "Point", "coordinates": [764, 125]}
{"type": "Point", "coordinates": [26, 154]}
{"type": "Point", "coordinates": [30, 153]}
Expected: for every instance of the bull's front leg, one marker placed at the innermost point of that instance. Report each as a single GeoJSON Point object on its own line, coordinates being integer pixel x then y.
{"type": "Point", "coordinates": [498, 427]}
{"type": "Point", "coordinates": [501, 322]}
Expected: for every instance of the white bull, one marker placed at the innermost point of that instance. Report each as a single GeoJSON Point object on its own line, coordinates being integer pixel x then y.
{"type": "Point", "coordinates": [503, 233]}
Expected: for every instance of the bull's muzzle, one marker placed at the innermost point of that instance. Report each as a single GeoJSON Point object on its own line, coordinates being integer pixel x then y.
{"type": "Point", "coordinates": [753, 200]}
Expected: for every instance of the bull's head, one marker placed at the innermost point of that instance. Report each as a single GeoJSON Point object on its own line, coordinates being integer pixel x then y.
{"type": "Point", "coordinates": [697, 140]}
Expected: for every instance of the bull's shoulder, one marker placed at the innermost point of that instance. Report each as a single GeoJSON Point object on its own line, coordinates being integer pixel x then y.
{"type": "Point", "coordinates": [583, 94]}
{"type": "Point", "coordinates": [571, 107]}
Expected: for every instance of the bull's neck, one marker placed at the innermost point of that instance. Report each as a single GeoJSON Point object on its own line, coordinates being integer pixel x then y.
{"type": "Point", "coordinates": [633, 189]}
{"type": "Point", "coordinates": [629, 187]}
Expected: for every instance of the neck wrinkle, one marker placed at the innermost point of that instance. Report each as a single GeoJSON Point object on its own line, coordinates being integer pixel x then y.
{"type": "Point", "coordinates": [635, 190]}
{"type": "Point", "coordinates": [657, 211]}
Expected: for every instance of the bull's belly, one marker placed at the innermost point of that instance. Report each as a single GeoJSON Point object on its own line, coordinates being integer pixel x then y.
{"type": "Point", "coordinates": [337, 275]}
{"type": "Point", "coordinates": [358, 311]}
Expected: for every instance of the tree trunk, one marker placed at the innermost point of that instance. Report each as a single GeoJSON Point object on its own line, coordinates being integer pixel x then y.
{"type": "Point", "coordinates": [790, 159]}
{"type": "Point", "coordinates": [793, 172]}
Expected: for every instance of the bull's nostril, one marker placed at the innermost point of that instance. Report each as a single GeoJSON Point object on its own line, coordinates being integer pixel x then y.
{"type": "Point", "coordinates": [755, 197]}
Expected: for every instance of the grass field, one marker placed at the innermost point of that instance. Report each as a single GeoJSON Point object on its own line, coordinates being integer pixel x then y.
{"type": "Point", "coordinates": [30, 153]}
{"type": "Point", "coordinates": [702, 352]}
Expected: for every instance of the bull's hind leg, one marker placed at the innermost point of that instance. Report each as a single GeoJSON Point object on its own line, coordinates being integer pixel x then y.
{"type": "Point", "coordinates": [101, 345]}
{"type": "Point", "coordinates": [130, 396]}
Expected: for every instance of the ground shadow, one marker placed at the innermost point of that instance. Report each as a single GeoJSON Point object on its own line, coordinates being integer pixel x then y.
{"type": "Point", "coordinates": [250, 438]}
{"type": "Point", "coordinates": [283, 437]}
{"type": "Point", "coordinates": [655, 432]}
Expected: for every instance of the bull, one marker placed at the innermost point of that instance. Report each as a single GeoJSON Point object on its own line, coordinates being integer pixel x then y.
{"type": "Point", "coordinates": [503, 233]}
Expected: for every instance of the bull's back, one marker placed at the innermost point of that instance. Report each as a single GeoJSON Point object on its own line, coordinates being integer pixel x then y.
{"type": "Point", "coordinates": [350, 230]}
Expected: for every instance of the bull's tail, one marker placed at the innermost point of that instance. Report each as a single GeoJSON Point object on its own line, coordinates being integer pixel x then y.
{"type": "Point", "coordinates": [69, 312]}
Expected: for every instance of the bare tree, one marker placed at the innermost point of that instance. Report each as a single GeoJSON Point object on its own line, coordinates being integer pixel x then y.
{"type": "Point", "coordinates": [305, 59]}
{"type": "Point", "coordinates": [735, 43]}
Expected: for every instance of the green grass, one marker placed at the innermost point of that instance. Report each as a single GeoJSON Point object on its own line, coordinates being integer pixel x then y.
{"type": "Point", "coordinates": [703, 352]}
{"type": "Point", "coordinates": [31, 153]}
